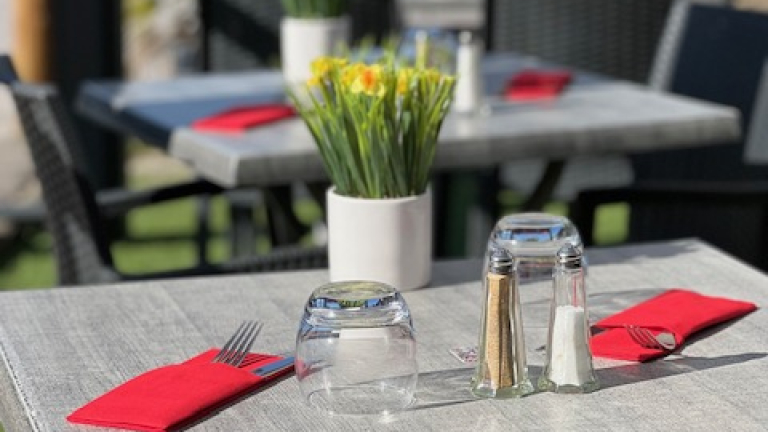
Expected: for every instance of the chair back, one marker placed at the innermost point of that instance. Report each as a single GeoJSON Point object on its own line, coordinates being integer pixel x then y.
{"type": "Point", "coordinates": [757, 137]}
{"type": "Point", "coordinates": [612, 37]}
{"type": "Point", "coordinates": [82, 253]}
{"type": "Point", "coordinates": [715, 54]}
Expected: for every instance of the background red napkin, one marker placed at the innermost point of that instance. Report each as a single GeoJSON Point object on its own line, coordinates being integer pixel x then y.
{"type": "Point", "coordinates": [532, 85]}
{"type": "Point", "coordinates": [172, 396]}
{"type": "Point", "coordinates": [678, 311]}
{"type": "Point", "coordinates": [243, 118]}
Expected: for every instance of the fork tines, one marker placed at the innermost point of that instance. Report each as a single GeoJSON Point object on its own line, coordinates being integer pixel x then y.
{"type": "Point", "coordinates": [238, 346]}
{"type": "Point", "coordinates": [643, 337]}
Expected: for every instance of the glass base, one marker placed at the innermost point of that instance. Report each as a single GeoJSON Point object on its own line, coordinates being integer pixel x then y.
{"type": "Point", "coordinates": [361, 400]}
{"type": "Point", "coordinates": [545, 384]}
{"type": "Point", "coordinates": [519, 390]}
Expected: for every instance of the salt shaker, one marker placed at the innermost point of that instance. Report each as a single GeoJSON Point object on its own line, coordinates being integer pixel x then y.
{"type": "Point", "coordinates": [569, 360]}
{"type": "Point", "coordinates": [501, 367]}
{"type": "Point", "coordinates": [468, 95]}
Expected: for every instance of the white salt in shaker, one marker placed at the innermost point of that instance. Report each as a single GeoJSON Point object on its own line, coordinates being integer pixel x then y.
{"type": "Point", "coordinates": [469, 91]}
{"type": "Point", "coordinates": [569, 360]}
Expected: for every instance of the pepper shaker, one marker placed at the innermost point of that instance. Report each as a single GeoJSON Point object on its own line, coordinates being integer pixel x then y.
{"type": "Point", "coordinates": [501, 368]}
{"type": "Point", "coordinates": [569, 366]}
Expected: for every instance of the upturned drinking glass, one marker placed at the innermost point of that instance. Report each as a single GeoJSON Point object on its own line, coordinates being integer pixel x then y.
{"type": "Point", "coordinates": [533, 239]}
{"type": "Point", "coordinates": [355, 349]}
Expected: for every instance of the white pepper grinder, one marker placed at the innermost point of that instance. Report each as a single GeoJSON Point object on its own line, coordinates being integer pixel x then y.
{"type": "Point", "coordinates": [469, 91]}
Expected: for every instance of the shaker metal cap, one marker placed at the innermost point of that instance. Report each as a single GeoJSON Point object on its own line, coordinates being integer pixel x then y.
{"type": "Point", "coordinates": [570, 256]}
{"type": "Point", "coordinates": [500, 261]}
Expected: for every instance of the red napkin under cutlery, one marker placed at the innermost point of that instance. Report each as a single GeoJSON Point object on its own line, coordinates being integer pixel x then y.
{"type": "Point", "coordinates": [243, 118]}
{"type": "Point", "coordinates": [533, 85]}
{"type": "Point", "coordinates": [170, 397]}
{"type": "Point", "coordinates": [677, 311]}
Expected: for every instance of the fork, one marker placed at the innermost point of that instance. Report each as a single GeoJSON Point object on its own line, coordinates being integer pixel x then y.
{"type": "Point", "coordinates": [237, 347]}
{"type": "Point", "coordinates": [645, 338]}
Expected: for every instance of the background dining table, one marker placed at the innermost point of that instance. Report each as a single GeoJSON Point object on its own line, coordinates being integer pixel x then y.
{"type": "Point", "coordinates": [62, 347]}
{"type": "Point", "coordinates": [595, 115]}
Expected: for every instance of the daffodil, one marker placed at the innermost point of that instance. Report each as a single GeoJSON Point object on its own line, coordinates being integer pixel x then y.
{"type": "Point", "coordinates": [370, 80]}
{"type": "Point", "coordinates": [322, 67]}
{"type": "Point", "coordinates": [404, 79]}
{"type": "Point", "coordinates": [314, 81]}
{"type": "Point", "coordinates": [350, 73]}
{"type": "Point", "coordinates": [375, 124]}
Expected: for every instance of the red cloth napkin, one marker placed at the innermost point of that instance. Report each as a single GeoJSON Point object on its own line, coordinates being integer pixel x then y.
{"type": "Point", "coordinates": [532, 85]}
{"type": "Point", "coordinates": [678, 311]}
{"type": "Point", "coordinates": [245, 117]}
{"type": "Point", "coordinates": [171, 397]}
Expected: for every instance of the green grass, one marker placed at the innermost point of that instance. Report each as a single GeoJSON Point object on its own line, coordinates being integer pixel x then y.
{"type": "Point", "coordinates": [160, 238]}
{"type": "Point", "coordinates": [610, 220]}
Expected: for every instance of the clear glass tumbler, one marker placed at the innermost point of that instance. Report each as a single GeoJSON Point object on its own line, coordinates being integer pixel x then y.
{"type": "Point", "coordinates": [355, 350]}
{"type": "Point", "coordinates": [534, 239]}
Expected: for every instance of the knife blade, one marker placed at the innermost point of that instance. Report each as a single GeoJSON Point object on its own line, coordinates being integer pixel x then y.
{"type": "Point", "coordinates": [274, 367]}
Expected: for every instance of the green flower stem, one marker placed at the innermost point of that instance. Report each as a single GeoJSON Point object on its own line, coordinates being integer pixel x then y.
{"type": "Point", "coordinates": [377, 136]}
{"type": "Point", "coordinates": [315, 8]}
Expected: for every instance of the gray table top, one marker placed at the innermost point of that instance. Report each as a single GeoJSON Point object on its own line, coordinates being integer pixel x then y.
{"type": "Point", "coordinates": [594, 116]}
{"type": "Point", "coordinates": [63, 347]}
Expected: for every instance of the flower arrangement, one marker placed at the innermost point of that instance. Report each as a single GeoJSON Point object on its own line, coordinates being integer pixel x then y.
{"type": "Point", "coordinates": [315, 8]}
{"type": "Point", "coordinates": [376, 125]}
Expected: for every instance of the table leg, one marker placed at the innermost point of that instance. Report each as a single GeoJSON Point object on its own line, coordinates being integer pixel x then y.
{"type": "Point", "coordinates": [203, 230]}
{"type": "Point", "coordinates": [466, 207]}
{"type": "Point", "coordinates": [284, 227]}
{"type": "Point", "coordinates": [542, 193]}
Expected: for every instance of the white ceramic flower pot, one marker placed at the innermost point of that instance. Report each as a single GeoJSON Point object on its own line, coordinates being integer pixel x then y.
{"type": "Point", "coordinates": [383, 240]}
{"type": "Point", "coordinates": [305, 39]}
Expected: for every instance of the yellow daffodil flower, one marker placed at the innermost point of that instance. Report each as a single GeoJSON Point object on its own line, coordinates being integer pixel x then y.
{"type": "Point", "coordinates": [322, 66]}
{"type": "Point", "coordinates": [370, 81]}
{"type": "Point", "coordinates": [350, 73]}
{"type": "Point", "coordinates": [404, 79]}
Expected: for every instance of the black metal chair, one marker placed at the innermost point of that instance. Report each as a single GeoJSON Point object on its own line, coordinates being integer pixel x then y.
{"type": "Point", "coordinates": [76, 217]}
{"type": "Point", "coordinates": [715, 54]}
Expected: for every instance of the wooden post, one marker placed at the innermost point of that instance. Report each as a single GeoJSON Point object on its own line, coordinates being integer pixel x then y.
{"type": "Point", "coordinates": [31, 41]}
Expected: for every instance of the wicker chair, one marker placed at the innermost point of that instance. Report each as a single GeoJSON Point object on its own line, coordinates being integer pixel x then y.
{"type": "Point", "coordinates": [715, 54]}
{"type": "Point", "coordinates": [616, 38]}
{"type": "Point", "coordinates": [76, 218]}
{"type": "Point", "coordinates": [612, 37]}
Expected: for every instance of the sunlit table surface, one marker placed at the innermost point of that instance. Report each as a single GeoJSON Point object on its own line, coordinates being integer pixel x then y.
{"type": "Point", "coordinates": [62, 347]}
{"type": "Point", "coordinates": [595, 115]}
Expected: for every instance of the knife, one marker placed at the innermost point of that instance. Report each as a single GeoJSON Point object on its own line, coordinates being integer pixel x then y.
{"type": "Point", "coordinates": [274, 367]}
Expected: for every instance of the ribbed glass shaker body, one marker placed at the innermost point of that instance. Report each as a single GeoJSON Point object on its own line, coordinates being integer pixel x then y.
{"type": "Point", "coordinates": [502, 370]}
{"type": "Point", "coordinates": [569, 366]}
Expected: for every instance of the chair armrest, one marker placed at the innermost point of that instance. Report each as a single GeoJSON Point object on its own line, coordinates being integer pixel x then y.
{"type": "Point", "coordinates": [114, 203]}
{"type": "Point", "coordinates": [279, 259]}
{"type": "Point", "coordinates": [24, 213]}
